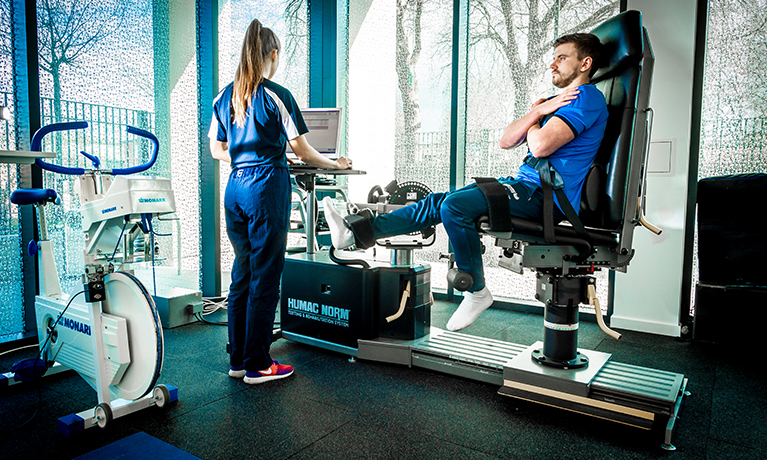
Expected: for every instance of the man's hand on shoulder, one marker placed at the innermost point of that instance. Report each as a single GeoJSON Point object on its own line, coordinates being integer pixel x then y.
{"type": "Point", "coordinates": [546, 106]}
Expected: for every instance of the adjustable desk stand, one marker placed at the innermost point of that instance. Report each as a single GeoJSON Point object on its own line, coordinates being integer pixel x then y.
{"type": "Point", "coordinates": [306, 176]}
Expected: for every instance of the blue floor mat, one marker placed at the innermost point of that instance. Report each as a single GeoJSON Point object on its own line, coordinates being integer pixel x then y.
{"type": "Point", "coordinates": [138, 446]}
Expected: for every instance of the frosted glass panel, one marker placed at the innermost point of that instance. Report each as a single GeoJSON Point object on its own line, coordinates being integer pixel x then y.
{"type": "Point", "coordinates": [99, 63]}
{"type": "Point", "coordinates": [734, 112]}
{"type": "Point", "coordinates": [734, 104]}
{"type": "Point", "coordinates": [11, 282]}
{"type": "Point", "coordinates": [506, 74]}
{"type": "Point", "coordinates": [288, 19]}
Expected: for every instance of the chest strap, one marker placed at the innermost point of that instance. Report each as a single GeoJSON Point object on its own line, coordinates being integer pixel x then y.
{"type": "Point", "coordinates": [552, 183]}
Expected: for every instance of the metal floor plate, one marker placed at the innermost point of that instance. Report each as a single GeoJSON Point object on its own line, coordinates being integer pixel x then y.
{"type": "Point", "coordinates": [468, 348]}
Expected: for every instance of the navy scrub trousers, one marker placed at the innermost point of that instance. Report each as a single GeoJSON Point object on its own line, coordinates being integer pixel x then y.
{"type": "Point", "coordinates": [257, 211]}
{"type": "Point", "coordinates": [458, 211]}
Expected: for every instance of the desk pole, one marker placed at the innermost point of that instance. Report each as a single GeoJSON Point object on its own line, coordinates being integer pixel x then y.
{"type": "Point", "coordinates": [306, 177]}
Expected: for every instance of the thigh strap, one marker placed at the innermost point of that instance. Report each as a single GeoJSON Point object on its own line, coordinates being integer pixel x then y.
{"type": "Point", "coordinates": [497, 203]}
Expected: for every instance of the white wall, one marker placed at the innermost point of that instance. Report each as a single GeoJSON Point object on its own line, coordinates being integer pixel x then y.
{"type": "Point", "coordinates": [372, 94]}
{"type": "Point", "coordinates": [648, 296]}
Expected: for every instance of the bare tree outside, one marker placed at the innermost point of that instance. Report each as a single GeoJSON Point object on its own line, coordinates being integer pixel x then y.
{"type": "Point", "coordinates": [521, 34]}
{"type": "Point", "coordinates": [407, 58]}
{"type": "Point", "coordinates": [68, 30]}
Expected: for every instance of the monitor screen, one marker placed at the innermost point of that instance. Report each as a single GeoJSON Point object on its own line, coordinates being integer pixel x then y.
{"type": "Point", "coordinates": [324, 129]}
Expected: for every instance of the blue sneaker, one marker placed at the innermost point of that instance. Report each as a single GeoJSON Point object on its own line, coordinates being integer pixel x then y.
{"type": "Point", "coordinates": [276, 371]}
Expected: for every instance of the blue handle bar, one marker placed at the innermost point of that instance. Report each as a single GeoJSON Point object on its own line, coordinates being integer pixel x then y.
{"type": "Point", "coordinates": [37, 142]}
{"type": "Point", "coordinates": [37, 146]}
{"type": "Point", "coordinates": [148, 164]}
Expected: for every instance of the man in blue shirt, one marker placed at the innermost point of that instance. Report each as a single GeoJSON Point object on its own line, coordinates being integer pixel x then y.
{"type": "Point", "coordinates": [566, 129]}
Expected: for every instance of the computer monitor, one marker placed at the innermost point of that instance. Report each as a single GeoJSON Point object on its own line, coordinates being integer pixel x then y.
{"type": "Point", "coordinates": [324, 131]}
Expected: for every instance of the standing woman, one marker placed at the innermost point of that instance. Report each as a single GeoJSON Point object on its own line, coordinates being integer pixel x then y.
{"type": "Point", "coordinates": [253, 120]}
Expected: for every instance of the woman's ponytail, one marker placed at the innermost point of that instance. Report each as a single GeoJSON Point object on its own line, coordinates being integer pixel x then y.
{"type": "Point", "coordinates": [259, 42]}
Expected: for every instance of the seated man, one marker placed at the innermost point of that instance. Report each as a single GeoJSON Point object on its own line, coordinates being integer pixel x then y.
{"type": "Point", "coordinates": [567, 129]}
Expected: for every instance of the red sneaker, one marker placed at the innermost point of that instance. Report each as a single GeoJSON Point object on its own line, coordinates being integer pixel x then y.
{"type": "Point", "coordinates": [275, 371]}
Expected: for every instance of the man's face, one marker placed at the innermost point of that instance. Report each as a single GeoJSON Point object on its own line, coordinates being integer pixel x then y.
{"type": "Point", "coordinates": [566, 66]}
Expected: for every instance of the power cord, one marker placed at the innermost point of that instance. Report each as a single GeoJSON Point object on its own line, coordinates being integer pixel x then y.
{"type": "Point", "coordinates": [211, 305]}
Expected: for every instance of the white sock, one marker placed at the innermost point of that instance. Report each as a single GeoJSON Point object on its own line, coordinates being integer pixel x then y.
{"type": "Point", "coordinates": [473, 304]}
{"type": "Point", "coordinates": [340, 235]}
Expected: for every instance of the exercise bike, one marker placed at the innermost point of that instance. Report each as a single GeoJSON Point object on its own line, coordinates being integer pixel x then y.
{"type": "Point", "coordinates": [109, 332]}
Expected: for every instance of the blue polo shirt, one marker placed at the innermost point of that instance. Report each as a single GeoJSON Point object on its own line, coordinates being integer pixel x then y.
{"type": "Point", "coordinates": [273, 119]}
{"type": "Point", "coordinates": [587, 117]}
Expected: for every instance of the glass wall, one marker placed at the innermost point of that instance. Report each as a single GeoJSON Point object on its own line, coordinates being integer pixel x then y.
{"type": "Point", "coordinates": [399, 90]}
{"type": "Point", "coordinates": [288, 19]}
{"type": "Point", "coordinates": [399, 96]}
{"type": "Point", "coordinates": [11, 282]}
{"type": "Point", "coordinates": [506, 73]}
{"type": "Point", "coordinates": [734, 112]}
{"type": "Point", "coordinates": [112, 64]}
{"type": "Point", "coordinates": [734, 103]}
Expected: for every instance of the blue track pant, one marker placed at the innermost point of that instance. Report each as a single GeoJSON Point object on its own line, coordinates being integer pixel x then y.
{"type": "Point", "coordinates": [257, 210]}
{"type": "Point", "coordinates": [458, 211]}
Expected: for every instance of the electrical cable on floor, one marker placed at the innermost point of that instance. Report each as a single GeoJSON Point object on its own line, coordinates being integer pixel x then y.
{"type": "Point", "coordinates": [212, 305]}
{"type": "Point", "coordinates": [20, 348]}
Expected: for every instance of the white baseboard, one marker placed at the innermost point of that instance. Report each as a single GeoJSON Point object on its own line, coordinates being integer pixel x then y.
{"type": "Point", "coordinates": [651, 327]}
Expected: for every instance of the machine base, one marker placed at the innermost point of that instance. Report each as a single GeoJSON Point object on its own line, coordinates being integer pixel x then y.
{"type": "Point", "coordinates": [99, 416]}
{"type": "Point", "coordinates": [623, 393]}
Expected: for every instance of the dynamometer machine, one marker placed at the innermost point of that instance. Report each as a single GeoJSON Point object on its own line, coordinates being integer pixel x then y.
{"type": "Point", "coordinates": [380, 311]}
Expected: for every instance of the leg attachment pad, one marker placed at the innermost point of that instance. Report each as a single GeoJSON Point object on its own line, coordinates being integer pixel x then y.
{"type": "Point", "coordinates": [362, 228]}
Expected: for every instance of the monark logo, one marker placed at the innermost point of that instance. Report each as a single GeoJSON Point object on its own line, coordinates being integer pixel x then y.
{"type": "Point", "coordinates": [75, 326]}
{"type": "Point", "coordinates": [318, 312]}
{"type": "Point", "coordinates": [151, 200]}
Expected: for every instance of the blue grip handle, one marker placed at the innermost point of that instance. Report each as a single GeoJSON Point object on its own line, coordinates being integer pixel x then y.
{"type": "Point", "coordinates": [37, 143]}
{"type": "Point", "coordinates": [147, 165]}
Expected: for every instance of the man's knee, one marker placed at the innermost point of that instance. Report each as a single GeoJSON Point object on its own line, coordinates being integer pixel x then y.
{"type": "Point", "coordinates": [464, 205]}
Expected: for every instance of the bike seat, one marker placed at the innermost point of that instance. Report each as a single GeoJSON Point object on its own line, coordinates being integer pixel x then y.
{"type": "Point", "coordinates": [33, 195]}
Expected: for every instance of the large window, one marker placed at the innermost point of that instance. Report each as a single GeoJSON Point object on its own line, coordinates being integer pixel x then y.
{"type": "Point", "coordinates": [400, 68]}
{"type": "Point", "coordinates": [113, 64]}
{"type": "Point", "coordinates": [734, 111]}
{"type": "Point", "coordinates": [288, 19]}
{"type": "Point", "coordinates": [400, 64]}
{"type": "Point", "coordinates": [11, 283]}
{"type": "Point", "coordinates": [734, 104]}
{"type": "Point", "coordinates": [507, 71]}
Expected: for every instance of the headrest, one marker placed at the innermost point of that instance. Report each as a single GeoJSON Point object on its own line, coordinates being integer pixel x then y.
{"type": "Point", "coordinates": [622, 39]}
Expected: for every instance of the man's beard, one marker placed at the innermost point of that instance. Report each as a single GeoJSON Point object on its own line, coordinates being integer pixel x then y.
{"type": "Point", "coordinates": [564, 80]}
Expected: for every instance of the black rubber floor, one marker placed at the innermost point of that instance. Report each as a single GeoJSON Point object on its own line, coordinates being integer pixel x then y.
{"type": "Point", "coordinates": [334, 409]}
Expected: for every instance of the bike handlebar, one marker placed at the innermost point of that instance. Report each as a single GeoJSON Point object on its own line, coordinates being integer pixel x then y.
{"type": "Point", "coordinates": [37, 142]}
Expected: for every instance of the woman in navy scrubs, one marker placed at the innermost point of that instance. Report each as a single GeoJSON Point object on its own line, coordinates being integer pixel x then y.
{"type": "Point", "coordinates": [253, 120]}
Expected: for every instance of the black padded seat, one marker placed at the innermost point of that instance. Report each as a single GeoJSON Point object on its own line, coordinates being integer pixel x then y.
{"type": "Point", "coordinates": [563, 232]}
{"type": "Point", "coordinates": [607, 208]}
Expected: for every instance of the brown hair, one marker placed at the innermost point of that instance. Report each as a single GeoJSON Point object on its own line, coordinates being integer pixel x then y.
{"type": "Point", "coordinates": [258, 43]}
{"type": "Point", "coordinates": [585, 45]}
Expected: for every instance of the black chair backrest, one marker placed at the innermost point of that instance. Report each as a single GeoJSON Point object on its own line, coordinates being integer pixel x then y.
{"type": "Point", "coordinates": [625, 57]}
